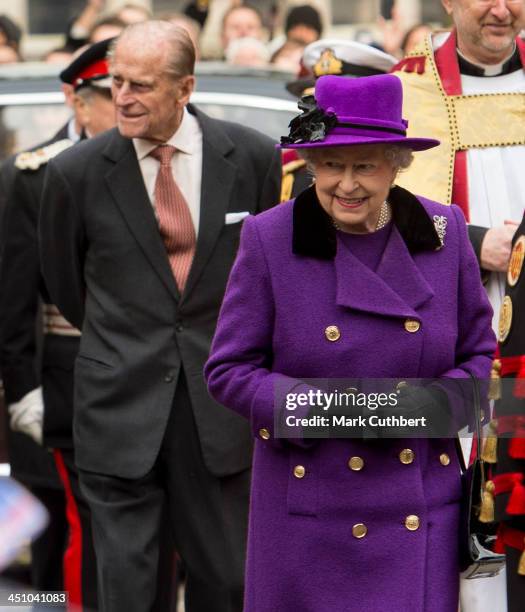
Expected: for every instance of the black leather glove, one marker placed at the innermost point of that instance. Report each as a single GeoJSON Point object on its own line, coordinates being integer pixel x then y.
{"type": "Point", "coordinates": [421, 412]}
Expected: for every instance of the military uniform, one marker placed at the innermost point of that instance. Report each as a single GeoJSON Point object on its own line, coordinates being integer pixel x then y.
{"type": "Point", "coordinates": [509, 473]}
{"type": "Point", "coordinates": [296, 177]}
{"type": "Point", "coordinates": [20, 358]}
{"type": "Point", "coordinates": [30, 320]}
{"type": "Point", "coordinates": [40, 392]}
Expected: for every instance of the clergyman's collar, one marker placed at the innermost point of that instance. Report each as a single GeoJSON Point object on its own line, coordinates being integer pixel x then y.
{"type": "Point", "coordinates": [511, 64]}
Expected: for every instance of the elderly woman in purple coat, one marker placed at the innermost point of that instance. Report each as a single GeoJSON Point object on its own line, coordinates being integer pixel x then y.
{"type": "Point", "coordinates": [355, 278]}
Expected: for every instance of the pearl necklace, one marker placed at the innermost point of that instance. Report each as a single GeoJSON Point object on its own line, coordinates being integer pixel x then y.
{"type": "Point", "coordinates": [385, 214]}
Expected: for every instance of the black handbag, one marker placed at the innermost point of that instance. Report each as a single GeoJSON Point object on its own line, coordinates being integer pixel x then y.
{"type": "Point", "coordinates": [477, 560]}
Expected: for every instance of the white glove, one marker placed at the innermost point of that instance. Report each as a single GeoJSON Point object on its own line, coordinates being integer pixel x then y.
{"type": "Point", "coordinates": [27, 415]}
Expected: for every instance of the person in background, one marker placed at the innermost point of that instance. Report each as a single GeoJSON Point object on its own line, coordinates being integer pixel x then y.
{"type": "Point", "coordinates": [483, 54]}
{"type": "Point", "coordinates": [8, 55]}
{"type": "Point", "coordinates": [288, 56]}
{"type": "Point", "coordinates": [59, 55]}
{"type": "Point", "coordinates": [414, 37]}
{"type": "Point", "coordinates": [191, 26]}
{"type": "Point", "coordinates": [249, 52]}
{"type": "Point", "coordinates": [81, 29]}
{"type": "Point", "coordinates": [452, 85]}
{"type": "Point", "coordinates": [198, 11]}
{"type": "Point", "coordinates": [10, 33]}
{"type": "Point", "coordinates": [329, 56]}
{"type": "Point", "coordinates": [138, 230]}
{"type": "Point", "coordinates": [356, 278]}
{"type": "Point", "coordinates": [303, 23]}
{"type": "Point", "coordinates": [21, 359]}
{"type": "Point", "coordinates": [509, 473]}
{"type": "Point", "coordinates": [39, 394]}
{"type": "Point", "coordinates": [243, 21]}
{"type": "Point", "coordinates": [106, 28]}
{"type": "Point", "coordinates": [133, 13]}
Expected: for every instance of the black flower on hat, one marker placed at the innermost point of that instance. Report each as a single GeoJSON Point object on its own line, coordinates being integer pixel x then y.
{"type": "Point", "coordinates": [311, 125]}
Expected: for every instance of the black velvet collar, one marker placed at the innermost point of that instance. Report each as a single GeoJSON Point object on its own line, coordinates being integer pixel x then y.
{"type": "Point", "coordinates": [314, 234]}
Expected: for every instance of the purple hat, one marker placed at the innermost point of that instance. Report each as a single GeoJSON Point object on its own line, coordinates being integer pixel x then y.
{"type": "Point", "coordinates": [347, 112]}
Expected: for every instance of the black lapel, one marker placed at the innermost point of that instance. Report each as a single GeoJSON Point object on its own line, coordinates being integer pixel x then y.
{"type": "Point", "coordinates": [314, 234]}
{"type": "Point", "coordinates": [127, 187]}
{"type": "Point", "coordinates": [218, 177]}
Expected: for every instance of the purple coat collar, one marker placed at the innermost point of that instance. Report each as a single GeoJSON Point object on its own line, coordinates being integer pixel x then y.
{"type": "Point", "coordinates": [314, 234]}
{"type": "Point", "coordinates": [396, 288]}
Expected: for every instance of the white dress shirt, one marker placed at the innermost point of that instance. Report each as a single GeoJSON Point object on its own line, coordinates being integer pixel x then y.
{"type": "Point", "coordinates": [186, 164]}
{"type": "Point", "coordinates": [496, 181]}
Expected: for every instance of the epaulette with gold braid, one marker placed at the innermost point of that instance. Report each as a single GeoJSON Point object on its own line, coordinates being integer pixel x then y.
{"type": "Point", "coordinates": [32, 160]}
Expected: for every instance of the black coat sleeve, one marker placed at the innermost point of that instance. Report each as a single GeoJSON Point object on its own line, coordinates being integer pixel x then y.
{"type": "Point", "coordinates": [271, 187]}
{"type": "Point", "coordinates": [19, 287]}
{"type": "Point", "coordinates": [476, 235]}
{"type": "Point", "coordinates": [62, 246]}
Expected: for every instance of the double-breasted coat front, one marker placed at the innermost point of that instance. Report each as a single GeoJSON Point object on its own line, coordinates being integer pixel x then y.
{"type": "Point", "coordinates": [292, 279]}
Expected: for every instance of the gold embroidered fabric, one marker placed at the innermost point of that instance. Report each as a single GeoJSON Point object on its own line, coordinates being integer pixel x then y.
{"type": "Point", "coordinates": [459, 122]}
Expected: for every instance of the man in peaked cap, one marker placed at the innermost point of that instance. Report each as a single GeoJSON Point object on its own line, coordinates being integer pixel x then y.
{"type": "Point", "coordinates": [39, 388]}
{"type": "Point", "coordinates": [327, 56]}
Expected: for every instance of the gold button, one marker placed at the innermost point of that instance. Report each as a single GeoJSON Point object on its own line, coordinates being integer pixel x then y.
{"type": "Point", "coordinates": [412, 522]}
{"type": "Point", "coordinates": [406, 456]}
{"type": "Point", "coordinates": [359, 530]}
{"type": "Point", "coordinates": [444, 459]}
{"type": "Point", "coordinates": [299, 471]}
{"type": "Point", "coordinates": [356, 463]}
{"type": "Point", "coordinates": [401, 385]}
{"type": "Point", "coordinates": [332, 333]}
{"type": "Point", "coordinates": [264, 433]}
{"type": "Point", "coordinates": [412, 326]}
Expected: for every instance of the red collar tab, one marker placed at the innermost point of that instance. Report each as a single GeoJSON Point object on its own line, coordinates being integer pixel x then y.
{"type": "Point", "coordinates": [521, 48]}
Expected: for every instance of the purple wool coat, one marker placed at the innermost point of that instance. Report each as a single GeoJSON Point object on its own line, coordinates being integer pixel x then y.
{"type": "Point", "coordinates": [292, 280]}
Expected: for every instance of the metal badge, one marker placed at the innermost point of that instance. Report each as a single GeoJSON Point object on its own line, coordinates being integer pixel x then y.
{"type": "Point", "coordinates": [516, 261]}
{"type": "Point", "coordinates": [505, 319]}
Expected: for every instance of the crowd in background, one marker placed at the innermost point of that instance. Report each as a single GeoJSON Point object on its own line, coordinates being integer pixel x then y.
{"type": "Point", "coordinates": [231, 30]}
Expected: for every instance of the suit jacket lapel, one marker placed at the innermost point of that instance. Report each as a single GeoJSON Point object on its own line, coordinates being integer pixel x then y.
{"type": "Point", "coordinates": [397, 288]}
{"type": "Point", "coordinates": [127, 187]}
{"type": "Point", "coordinates": [218, 177]}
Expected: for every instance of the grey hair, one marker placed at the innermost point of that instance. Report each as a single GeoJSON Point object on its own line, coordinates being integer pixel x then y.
{"type": "Point", "coordinates": [181, 54]}
{"type": "Point", "coordinates": [399, 156]}
{"type": "Point", "coordinates": [87, 92]}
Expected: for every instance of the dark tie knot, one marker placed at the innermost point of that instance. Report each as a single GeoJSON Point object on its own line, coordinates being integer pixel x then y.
{"type": "Point", "coordinates": [163, 153]}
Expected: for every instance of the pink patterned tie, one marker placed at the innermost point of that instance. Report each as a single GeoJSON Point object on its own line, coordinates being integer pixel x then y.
{"type": "Point", "coordinates": [175, 223]}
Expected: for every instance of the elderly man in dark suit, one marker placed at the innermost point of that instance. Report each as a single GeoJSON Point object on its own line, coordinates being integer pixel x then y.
{"type": "Point", "coordinates": [139, 228]}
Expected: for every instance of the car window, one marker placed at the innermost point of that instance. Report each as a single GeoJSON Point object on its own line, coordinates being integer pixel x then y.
{"type": "Point", "coordinates": [24, 126]}
{"type": "Point", "coordinates": [273, 123]}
